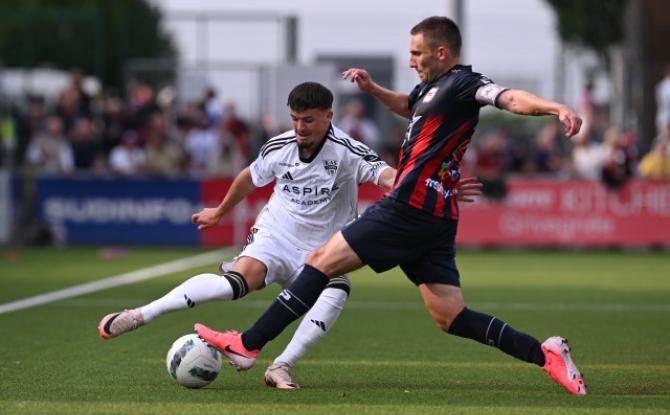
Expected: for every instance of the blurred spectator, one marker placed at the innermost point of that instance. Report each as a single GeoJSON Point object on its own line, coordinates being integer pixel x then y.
{"type": "Point", "coordinates": [72, 106]}
{"type": "Point", "coordinates": [491, 164]}
{"type": "Point", "coordinates": [663, 102]}
{"type": "Point", "coordinates": [140, 106]}
{"type": "Point", "coordinates": [50, 151]}
{"type": "Point", "coordinates": [588, 111]}
{"type": "Point", "coordinates": [127, 158]}
{"type": "Point", "coordinates": [35, 115]}
{"type": "Point", "coordinates": [655, 165]}
{"type": "Point", "coordinates": [85, 143]}
{"type": "Point", "coordinates": [113, 123]}
{"type": "Point", "coordinates": [587, 104]}
{"type": "Point", "coordinates": [166, 98]}
{"type": "Point", "coordinates": [199, 141]}
{"type": "Point", "coordinates": [270, 126]}
{"type": "Point", "coordinates": [29, 125]}
{"type": "Point", "coordinates": [391, 148]}
{"type": "Point", "coordinates": [213, 106]}
{"type": "Point", "coordinates": [588, 158]}
{"type": "Point", "coordinates": [165, 155]}
{"type": "Point", "coordinates": [520, 156]}
{"type": "Point", "coordinates": [358, 126]}
{"type": "Point", "coordinates": [236, 129]}
{"type": "Point", "coordinates": [84, 99]}
{"type": "Point", "coordinates": [618, 166]}
{"type": "Point", "coordinates": [221, 161]}
{"type": "Point", "coordinates": [545, 157]}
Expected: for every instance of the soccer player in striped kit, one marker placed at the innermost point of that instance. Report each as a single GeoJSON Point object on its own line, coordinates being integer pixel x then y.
{"type": "Point", "coordinates": [415, 225]}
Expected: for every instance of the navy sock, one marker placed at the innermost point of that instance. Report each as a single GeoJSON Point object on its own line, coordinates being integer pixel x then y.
{"type": "Point", "coordinates": [290, 304]}
{"type": "Point", "coordinates": [496, 333]}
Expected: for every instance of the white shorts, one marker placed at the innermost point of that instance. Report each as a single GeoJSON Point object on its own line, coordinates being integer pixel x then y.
{"type": "Point", "coordinates": [283, 260]}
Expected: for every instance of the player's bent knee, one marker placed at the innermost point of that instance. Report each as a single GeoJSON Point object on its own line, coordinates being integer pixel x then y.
{"type": "Point", "coordinates": [316, 258]}
{"type": "Point", "coordinates": [445, 317]}
{"type": "Point", "coordinates": [444, 324]}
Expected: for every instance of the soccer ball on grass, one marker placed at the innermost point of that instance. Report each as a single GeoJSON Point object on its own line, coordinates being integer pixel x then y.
{"type": "Point", "coordinates": [192, 362]}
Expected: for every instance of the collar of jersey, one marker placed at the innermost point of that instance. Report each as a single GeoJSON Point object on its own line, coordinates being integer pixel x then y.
{"type": "Point", "coordinates": [425, 87]}
{"type": "Point", "coordinates": [318, 149]}
{"type": "Point", "coordinates": [457, 66]}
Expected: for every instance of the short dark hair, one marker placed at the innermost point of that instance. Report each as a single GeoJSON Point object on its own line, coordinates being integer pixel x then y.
{"type": "Point", "coordinates": [440, 30]}
{"type": "Point", "coordinates": [310, 95]}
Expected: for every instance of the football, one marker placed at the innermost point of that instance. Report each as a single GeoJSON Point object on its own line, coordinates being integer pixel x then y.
{"type": "Point", "coordinates": [192, 362]}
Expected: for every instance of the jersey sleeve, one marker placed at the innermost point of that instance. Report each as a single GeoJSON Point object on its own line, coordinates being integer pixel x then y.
{"type": "Point", "coordinates": [369, 167]}
{"type": "Point", "coordinates": [477, 88]}
{"type": "Point", "coordinates": [262, 171]}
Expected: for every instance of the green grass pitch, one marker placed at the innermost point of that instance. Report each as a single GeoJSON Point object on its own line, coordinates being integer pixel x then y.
{"type": "Point", "coordinates": [384, 355]}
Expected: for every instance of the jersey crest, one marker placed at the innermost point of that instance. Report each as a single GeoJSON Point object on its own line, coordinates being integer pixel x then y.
{"type": "Point", "coordinates": [431, 94]}
{"type": "Point", "coordinates": [330, 166]}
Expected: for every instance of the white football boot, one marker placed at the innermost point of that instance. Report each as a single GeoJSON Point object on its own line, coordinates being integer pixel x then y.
{"type": "Point", "coordinates": [115, 324]}
{"type": "Point", "coordinates": [277, 376]}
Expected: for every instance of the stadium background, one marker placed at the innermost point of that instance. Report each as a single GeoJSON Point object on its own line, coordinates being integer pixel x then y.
{"type": "Point", "coordinates": [197, 111]}
{"type": "Point", "coordinates": [83, 233]}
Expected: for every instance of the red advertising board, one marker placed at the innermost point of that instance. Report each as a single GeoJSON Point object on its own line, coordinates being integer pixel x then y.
{"type": "Point", "coordinates": [570, 214]}
{"type": "Point", "coordinates": [535, 213]}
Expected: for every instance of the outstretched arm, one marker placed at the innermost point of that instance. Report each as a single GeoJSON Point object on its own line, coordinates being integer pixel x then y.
{"type": "Point", "coordinates": [524, 103]}
{"type": "Point", "coordinates": [241, 187]}
{"type": "Point", "coordinates": [394, 101]}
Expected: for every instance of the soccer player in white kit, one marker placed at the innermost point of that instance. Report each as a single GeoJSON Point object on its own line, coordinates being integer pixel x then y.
{"type": "Point", "coordinates": [317, 169]}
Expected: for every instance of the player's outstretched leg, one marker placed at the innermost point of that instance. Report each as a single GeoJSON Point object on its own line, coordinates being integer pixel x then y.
{"type": "Point", "coordinates": [316, 323]}
{"type": "Point", "coordinates": [199, 289]}
{"type": "Point", "coordinates": [553, 355]}
{"type": "Point", "coordinates": [560, 367]}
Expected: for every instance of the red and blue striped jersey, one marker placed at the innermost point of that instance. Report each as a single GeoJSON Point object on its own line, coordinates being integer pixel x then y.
{"type": "Point", "coordinates": [444, 116]}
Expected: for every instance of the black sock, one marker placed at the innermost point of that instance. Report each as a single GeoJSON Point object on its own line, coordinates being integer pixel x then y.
{"type": "Point", "coordinates": [496, 333]}
{"type": "Point", "coordinates": [290, 304]}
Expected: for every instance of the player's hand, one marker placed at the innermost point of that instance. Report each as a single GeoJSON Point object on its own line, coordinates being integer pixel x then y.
{"type": "Point", "coordinates": [570, 120]}
{"type": "Point", "coordinates": [468, 189]}
{"type": "Point", "coordinates": [206, 218]}
{"type": "Point", "coordinates": [360, 76]}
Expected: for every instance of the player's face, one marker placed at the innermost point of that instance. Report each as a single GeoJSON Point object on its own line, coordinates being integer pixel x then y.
{"type": "Point", "coordinates": [428, 60]}
{"type": "Point", "coordinates": [311, 126]}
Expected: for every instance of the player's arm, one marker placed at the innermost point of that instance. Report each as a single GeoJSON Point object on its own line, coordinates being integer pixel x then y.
{"type": "Point", "coordinates": [386, 178]}
{"type": "Point", "coordinates": [524, 103]}
{"type": "Point", "coordinates": [242, 186]}
{"type": "Point", "coordinates": [394, 101]}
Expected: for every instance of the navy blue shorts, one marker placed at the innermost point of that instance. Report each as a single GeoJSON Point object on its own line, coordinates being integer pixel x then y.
{"type": "Point", "coordinates": [391, 233]}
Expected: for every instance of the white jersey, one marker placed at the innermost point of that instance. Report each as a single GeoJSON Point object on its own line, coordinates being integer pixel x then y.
{"type": "Point", "coordinates": [313, 198]}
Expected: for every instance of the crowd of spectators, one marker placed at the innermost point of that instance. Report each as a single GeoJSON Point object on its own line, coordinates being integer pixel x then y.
{"type": "Point", "coordinates": [144, 134]}
{"type": "Point", "coordinates": [148, 134]}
